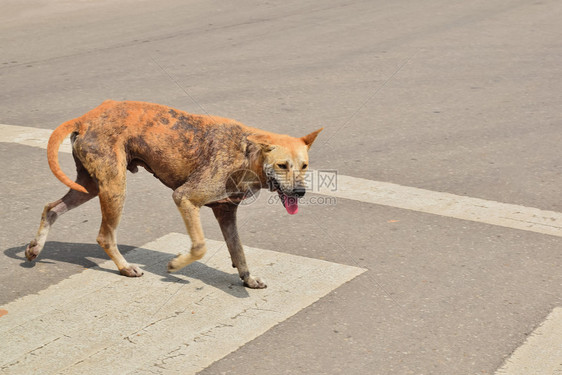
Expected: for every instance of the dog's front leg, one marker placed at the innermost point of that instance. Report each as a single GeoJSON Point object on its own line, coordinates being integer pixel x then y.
{"type": "Point", "coordinates": [226, 216]}
{"type": "Point", "coordinates": [190, 214]}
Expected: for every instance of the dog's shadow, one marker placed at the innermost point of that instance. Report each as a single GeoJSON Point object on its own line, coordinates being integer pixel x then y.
{"type": "Point", "coordinates": [78, 253]}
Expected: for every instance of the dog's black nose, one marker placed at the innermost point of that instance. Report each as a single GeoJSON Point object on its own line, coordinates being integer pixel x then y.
{"type": "Point", "coordinates": [299, 191]}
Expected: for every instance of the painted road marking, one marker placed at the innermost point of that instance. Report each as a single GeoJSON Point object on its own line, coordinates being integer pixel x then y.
{"type": "Point", "coordinates": [382, 193]}
{"type": "Point", "coordinates": [34, 137]}
{"type": "Point", "coordinates": [542, 351]}
{"type": "Point", "coordinates": [449, 205]}
{"type": "Point", "coordinates": [101, 322]}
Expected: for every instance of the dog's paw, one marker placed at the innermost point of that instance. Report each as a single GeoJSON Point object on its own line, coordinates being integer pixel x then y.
{"type": "Point", "coordinates": [254, 283]}
{"type": "Point", "coordinates": [174, 265]}
{"type": "Point", "coordinates": [32, 250]}
{"type": "Point", "coordinates": [131, 271]}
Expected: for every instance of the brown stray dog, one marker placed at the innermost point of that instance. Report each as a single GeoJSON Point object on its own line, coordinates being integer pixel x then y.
{"type": "Point", "coordinates": [194, 155]}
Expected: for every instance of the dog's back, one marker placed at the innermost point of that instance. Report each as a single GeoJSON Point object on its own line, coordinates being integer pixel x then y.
{"type": "Point", "coordinates": [169, 143]}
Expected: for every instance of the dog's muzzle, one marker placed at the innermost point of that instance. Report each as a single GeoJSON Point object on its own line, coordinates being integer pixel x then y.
{"type": "Point", "coordinates": [289, 199]}
{"type": "Point", "coordinates": [274, 185]}
{"type": "Point", "coordinates": [299, 191]}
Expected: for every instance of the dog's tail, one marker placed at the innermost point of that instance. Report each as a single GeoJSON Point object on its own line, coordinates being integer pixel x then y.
{"type": "Point", "coordinates": [58, 135]}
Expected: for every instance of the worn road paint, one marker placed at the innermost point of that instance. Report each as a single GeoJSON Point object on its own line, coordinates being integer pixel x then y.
{"type": "Point", "coordinates": [34, 137]}
{"type": "Point", "coordinates": [329, 183]}
{"type": "Point", "coordinates": [100, 322]}
{"type": "Point", "coordinates": [445, 204]}
{"type": "Point", "coordinates": [542, 351]}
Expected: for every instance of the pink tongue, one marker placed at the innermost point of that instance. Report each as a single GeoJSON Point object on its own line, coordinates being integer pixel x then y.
{"type": "Point", "coordinates": [291, 204]}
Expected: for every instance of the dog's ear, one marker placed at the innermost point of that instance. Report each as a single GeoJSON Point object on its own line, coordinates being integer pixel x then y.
{"type": "Point", "coordinates": [263, 141]}
{"type": "Point", "coordinates": [309, 139]}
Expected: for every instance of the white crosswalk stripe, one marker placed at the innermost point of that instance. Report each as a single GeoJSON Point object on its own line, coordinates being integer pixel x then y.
{"type": "Point", "coordinates": [542, 351]}
{"type": "Point", "coordinates": [101, 322]}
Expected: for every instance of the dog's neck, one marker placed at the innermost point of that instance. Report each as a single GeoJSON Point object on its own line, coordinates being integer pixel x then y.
{"type": "Point", "coordinates": [256, 163]}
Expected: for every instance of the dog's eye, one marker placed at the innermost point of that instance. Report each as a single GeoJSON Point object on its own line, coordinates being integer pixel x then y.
{"type": "Point", "coordinates": [283, 165]}
{"type": "Point", "coordinates": [304, 166]}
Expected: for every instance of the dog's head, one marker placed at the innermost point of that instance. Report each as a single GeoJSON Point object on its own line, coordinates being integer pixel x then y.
{"type": "Point", "coordinates": [285, 162]}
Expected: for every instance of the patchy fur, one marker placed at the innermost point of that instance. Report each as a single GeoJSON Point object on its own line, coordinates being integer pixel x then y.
{"type": "Point", "coordinates": [194, 155]}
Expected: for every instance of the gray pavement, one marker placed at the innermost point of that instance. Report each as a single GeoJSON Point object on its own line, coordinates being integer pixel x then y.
{"type": "Point", "coordinates": [455, 97]}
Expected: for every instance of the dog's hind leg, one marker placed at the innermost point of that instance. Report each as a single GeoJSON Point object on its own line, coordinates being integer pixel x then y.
{"type": "Point", "coordinates": [226, 216]}
{"type": "Point", "coordinates": [53, 210]}
{"type": "Point", "coordinates": [112, 199]}
{"type": "Point", "coordinates": [190, 214]}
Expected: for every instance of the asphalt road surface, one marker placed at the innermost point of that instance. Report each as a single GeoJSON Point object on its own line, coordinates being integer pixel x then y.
{"type": "Point", "coordinates": [450, 97]}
